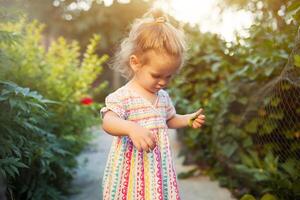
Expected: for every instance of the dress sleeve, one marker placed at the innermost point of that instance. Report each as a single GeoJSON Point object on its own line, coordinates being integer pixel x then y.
{"type": "Point", "coordinates": [170, 109]}
{"type": "Point", "coordinates": [114, 103]}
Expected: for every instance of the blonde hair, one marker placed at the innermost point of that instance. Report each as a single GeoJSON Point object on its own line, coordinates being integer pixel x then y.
{"type": "Point", "coordinates": [151, 32]}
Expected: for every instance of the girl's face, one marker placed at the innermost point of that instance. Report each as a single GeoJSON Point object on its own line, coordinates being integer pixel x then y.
{"type": "Point", "coordinates": [156, 73]}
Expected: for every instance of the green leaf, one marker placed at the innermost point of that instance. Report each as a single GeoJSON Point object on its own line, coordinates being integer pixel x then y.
{"type": "Point", "coordinates": [271, 162]}
{"type": "Point", "coordinates": [229, 148]}
{"type": "Point", "coordinates": [243, 100]}
{"type": "Point", "coordinates": [23, 91]}
{"type": "Point", "coordinates": [277, 115]}
{"type": "Point", "coordinates": [255, 158]}
{"type": "Point", "coordinates": [275, 101]}
{"type": "Point", "coordinates": [248, 197]}
{"type": "Point", "coordinates": [37, 106]}
{"type": "Point", "coordinates": [297, 59]}
{"type": "Point", "coordinates": [293, 11]}
{"type": "Point", "coordinates": [251, 127]}
{"type": "Point", "coordinates": [247, 143]}
{"type": "Point", "coordinates": [184, 175]}
{"type": "Point", "coordinates": [215, 67]}
{"type": "Point", "coordinates": [290, 167]}
{"type": "Point", "coordinates": [268, 197]}
{"type": "Point", "coordinates": [9, 171]}
{"type": "Point", "coordinates": [22, 165]}
{"type": "Point", "coordinates": [14, 169]}
{"type": "Point", "coordinates": [13, 103]}
{"type": "Point", "coordinates": [3, 98]}
{"type": "Point", "coordinates": [268, 127]}
{"type": "Point", "coordinates": [261, 176]}
{"type": "Point", "coordinates": [269, 70]}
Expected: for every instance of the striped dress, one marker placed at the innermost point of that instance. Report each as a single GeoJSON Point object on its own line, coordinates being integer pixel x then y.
{"type": "Point", "coordinates": [137, 175]}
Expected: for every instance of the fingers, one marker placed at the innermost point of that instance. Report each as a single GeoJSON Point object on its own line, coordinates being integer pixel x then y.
{"type": "Point", "coordinates": [153, 137]}
{"type": "Point", "coordinates": [199, 112]}
{"type": "Point", "coordinates": [145, 140]}
{"type": "Point", "coordinates": [148, 147]}
{"type": "Point", "coordinates": [137, 145]}
{"type": "Point", "coordinates": [146, 144]}
{"type": "Point", "coordinates": [197, 124]}
{"type": "Point", "coordinates": [199, 121]}
{"type": "Point", "coordinates": [151, 143]}
{"type": "Point", "coordinates": [201, 117]}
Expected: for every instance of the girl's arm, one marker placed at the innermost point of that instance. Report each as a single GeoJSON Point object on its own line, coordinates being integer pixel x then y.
{"type": "Point", "coordinates": [116, 126]}
{"type": "Point", "coordinates": [181, 121]}
{"type": "Point", "coordinates": [141, 137]}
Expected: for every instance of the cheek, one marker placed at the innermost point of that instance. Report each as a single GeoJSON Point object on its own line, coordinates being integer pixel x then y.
{"type": "Point", "coordinates": [153, 82]}
{"type": "Point", "coordinates": [148, 81]}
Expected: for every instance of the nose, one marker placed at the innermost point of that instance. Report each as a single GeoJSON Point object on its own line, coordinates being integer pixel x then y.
{"type": "Point", "coordinates": [162, 83]}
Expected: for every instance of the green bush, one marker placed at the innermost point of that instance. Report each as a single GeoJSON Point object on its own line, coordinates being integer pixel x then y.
{"type": "Point", "coordinates": [57, 72]}
{"type": "Point", "coordinates": [244, 91]}
{"type": "Point", "coordinates": [39, 138]}
{"type": "Point", "coordinates": [34, 162]}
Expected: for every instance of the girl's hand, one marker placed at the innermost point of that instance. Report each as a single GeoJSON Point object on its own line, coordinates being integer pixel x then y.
{"type": "Point", "coordinates": [197, 119]}
{"type": "Point", "coordinates": [142, 138]}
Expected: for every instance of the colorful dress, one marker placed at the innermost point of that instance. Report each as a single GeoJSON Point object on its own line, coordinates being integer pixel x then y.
{"type": "Point", "coordinates": [137, 175]}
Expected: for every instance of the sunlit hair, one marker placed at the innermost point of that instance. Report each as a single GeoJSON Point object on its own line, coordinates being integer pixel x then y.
{"type": "Point", "coordinates": [151, 32]}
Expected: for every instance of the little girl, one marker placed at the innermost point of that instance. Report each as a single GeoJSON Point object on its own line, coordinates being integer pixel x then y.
{"type": "Point", "coordinates": [139, 165]}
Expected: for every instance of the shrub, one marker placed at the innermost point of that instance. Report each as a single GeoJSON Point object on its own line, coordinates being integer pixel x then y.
{"type": "Point", "coordinates": [34, 162]}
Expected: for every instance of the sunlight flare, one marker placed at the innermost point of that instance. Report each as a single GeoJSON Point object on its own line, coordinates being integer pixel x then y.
{"type": "Point", "coordinates": [207, 15]}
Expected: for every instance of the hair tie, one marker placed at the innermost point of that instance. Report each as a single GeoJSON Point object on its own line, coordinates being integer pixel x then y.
{"type": "Point", "coordinates": [160, 20]}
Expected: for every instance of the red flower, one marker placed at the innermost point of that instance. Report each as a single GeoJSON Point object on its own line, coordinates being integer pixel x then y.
{"type": "Point", "coordinates": [86, 101]}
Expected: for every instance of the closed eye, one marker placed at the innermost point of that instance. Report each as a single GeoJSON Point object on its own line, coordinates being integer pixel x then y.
{"type": "Point", "coordinates": [155, 76]}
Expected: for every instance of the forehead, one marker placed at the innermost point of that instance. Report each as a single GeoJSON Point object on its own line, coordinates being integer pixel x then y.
{"type": "Point", "coordinates": [162, 62]}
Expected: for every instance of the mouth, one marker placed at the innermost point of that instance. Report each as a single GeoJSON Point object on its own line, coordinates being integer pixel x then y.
{"type": "Point", "coordinates": [154, 90]}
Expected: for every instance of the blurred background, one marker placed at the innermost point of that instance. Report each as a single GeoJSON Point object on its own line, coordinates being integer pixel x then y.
{"type": "Point", "coordinates": [243, 68]}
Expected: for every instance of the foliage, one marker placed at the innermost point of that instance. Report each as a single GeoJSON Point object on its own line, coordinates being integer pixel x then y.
{"type": "Point", "coordinates": [80, 24]}
{"type": "Point", "coordinates": [250, 107]}
{"type": "Point", "coordinates": [83, 22]}
{"type": "Point", "coordinates": [57, 73]}
{"type": "Point", "coordinates": [33, 160]}
{"type": "Point", "coordinates": [39, 138]}
{"type": "Point", "coordinates": [265, 197]}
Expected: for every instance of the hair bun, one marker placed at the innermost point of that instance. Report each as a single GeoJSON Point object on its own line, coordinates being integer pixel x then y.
{"type": "Point", "coordinates": [159, 15]}
{"type": "Point", "coordinates": [160, 20]}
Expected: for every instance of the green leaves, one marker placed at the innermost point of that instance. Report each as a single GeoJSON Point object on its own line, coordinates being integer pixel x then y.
{"type": "Point", "coordinates": [30, 152]}
{"type": "Point", "coordinates": [297, 60]}
{"type": "Point", "coordinates": [249, 91]}
{"type": "Point", "coordinates": [36, 120]}
{"type": "Point", "coordinates": [9, 167]}
{"type": "Point", "coordinates": [228, 149]}
{"type": "Point", "coordinates": [293, 11]}
{"type": "Point", "coordinates": [268, 197]}
{"type": "Point", "coordinates": [251, 127]}
{"type": "Point", "coordinates": [248, 197]}
{"type": "Point", "coordinates": [184, 175]}
{"type": "Point", "coordinates": [264, 197]}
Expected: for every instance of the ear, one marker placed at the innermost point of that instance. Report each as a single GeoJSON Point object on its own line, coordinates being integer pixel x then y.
{"type": "Point", "coordinates": [134, 62]}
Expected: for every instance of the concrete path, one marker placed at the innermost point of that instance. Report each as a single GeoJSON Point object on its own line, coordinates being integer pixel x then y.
{"type": "Point", "coordinates": [195, 188]}
{"type": "Point", "coordinates": [88, 176]}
